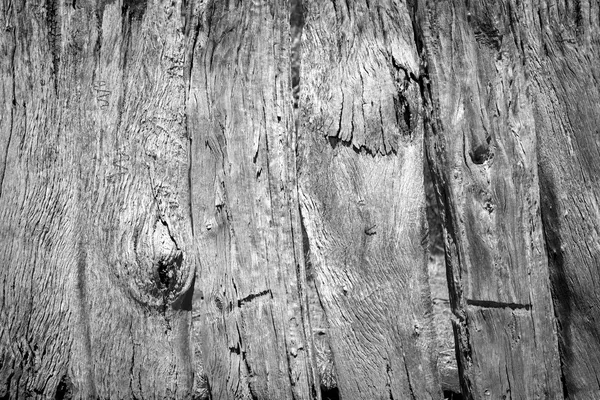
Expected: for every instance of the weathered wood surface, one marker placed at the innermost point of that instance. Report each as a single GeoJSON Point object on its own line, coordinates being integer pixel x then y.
{"type": "Point", "coordinates": [484, 159]}
{"type": "Point", "coordinates": [440, 297]}
{"type": "Point", "coordinates": [562, 55]}
{"type": "Point", "coordinates": [94, 216]}
{"type": "Point", "coordinates": [247, 220]}
{"type": "Point", "coordinates": [224, 199]}
{"type": "Point", "coordinates": [514, 142]}
{"type": "Point", "coordinates": [251, 315]}
{"type": "Point", "coordinates": [362, 195]}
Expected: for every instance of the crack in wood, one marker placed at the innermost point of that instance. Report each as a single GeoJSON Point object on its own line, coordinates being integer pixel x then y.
{"type": "Point", "coordinates": [53, 21]}
{"type": "Point", "coordinates": [296, 26]}
{"type": "Point", "coordinates": [498, 304]}
{"type": "Point", "coordinates": [388, 370]}
{"type": "Point", "coordinates": [370, 231]}
{"type": "Point", "coordinates": [245, 361]}
{"type": "Point", "coordinates": [12, 115]}
{"type": "Point", "coordinates": [410, 386]}
{"type": "Point", "coordinates": [253, 296]}
{"type": "Point", "coordinates": [203, 390]}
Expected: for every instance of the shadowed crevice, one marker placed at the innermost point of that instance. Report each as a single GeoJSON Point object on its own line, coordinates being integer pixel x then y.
{"type": "Point", "coordinates": [253, 296]}
{"type": "Point", "coordinates": [296, 26]}
{"type": "Point", "coordinates": [559, 286]}
{"type": "Point", "coordinates": [450, 395]}
{"type": "Point", "coordinates": [330, 394]}
{"type": "Point", "coordinates": [64, 390]}
{"type": "Point", "coordinates": [498, 304]}
{"type": "Point", "coordinates": [53, 21]}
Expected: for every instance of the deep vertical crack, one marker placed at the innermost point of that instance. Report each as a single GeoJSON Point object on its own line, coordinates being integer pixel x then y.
{"type": "Point", "coordinates": [433, 129]}
{"type": "Point", "coordinates": [53, 21]}
{"type": "Point", "coordinates": [187, 76]}
{"type": "Point", "coordinates": [12, 111]}
{"type": "Point", "coordinates": [296, 26]}
{"type": "Point", "coordinates": [301, 277]}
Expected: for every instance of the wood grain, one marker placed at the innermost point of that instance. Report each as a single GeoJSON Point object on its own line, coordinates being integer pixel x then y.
{"type": "Point", "coordinates": [362, 195]}
{"type": "Point", "coordinates": [250, 303]}
{"type": "Point", "coordinates": [561, 52]}
{"type": "Point", "coordinates": [95, 222]}
{"type": "Point", "coordinates": [225, 199]}
{"type": "Point", "coordinates": [496, 108]}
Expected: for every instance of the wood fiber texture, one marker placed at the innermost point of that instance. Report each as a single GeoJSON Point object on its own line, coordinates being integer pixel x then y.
{"type": "Point", "coordinates": [94, 219]}
{"type": "Point", "coordinates": [561, 42]}
{"type": "Point", "coordinates": [362, 195]}
{"type": "Point", "coordinates": [513, 144]}
{"type": "Point", "coordinates": [224, 199]}
{"type": "Point", "coordinates": [250, 307]}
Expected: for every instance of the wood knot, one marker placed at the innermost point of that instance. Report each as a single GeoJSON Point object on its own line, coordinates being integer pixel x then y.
{"type": "Point", "coordinates": [165, 248]}
{"type": "Point", "coordinates": [160, 274]}
{"type": "Point", "coordinates": [167, 258]}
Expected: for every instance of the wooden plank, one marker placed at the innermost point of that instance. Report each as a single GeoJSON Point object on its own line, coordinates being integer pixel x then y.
{"type": "Point", "coordinates": [563, 66]}
{"type": "Point", "coordinates": [94, 216]}
{"type": "Point", "coordinates": [362, 196]}
{"type": "Point", "coordinates": [251, 318]}
{"type": "Point", "coordinates": [482, 148]}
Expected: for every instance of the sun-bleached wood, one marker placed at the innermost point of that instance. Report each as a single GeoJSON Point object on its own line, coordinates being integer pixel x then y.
{"type": "Point", "coordinates": [225, 199]}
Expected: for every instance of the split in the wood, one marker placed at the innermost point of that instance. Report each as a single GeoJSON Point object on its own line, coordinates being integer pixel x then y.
{"type": "Point", "coordinates": [202, 389]}
{"type": "Point", "coordinates": [53, 21]}
{"type": "Point", "coordinates": [497, 304]}
{"type": "Point", "coordinates": [235, 349]}
{"type": "Point", "coordinates": [253, 296]}
{"type": "Point", "coordinates": [372, 230]}
{"type": "Point", "coordinates": [296, 25]}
